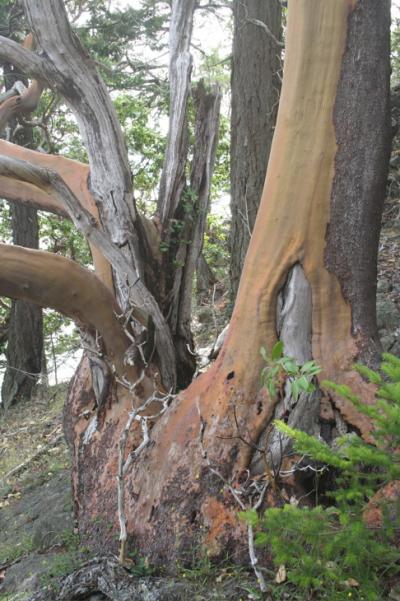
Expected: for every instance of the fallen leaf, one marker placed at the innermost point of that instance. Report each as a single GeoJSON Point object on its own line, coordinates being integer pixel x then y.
{"type": "Point", "coordinates": [351, 582]}
{"type": "Point", "coordinates": [281, 575]}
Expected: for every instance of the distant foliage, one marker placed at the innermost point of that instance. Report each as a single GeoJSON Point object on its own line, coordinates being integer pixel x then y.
{"type": "Point", "coordinates": [330, 552]}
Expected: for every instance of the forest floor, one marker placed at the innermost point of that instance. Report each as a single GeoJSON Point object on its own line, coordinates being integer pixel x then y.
{"type": "Point", "coordinates": [38, 542]}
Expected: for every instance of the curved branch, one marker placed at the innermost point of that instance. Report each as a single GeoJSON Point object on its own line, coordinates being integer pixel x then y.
{"type": "Point", "coordinates": [180, 67]}
{"type": "Point", "coordinates": [24, 102]}
{"type": "Point", "coordinates": [142, 301]}
{"type": "Point", "coordinates": [24, 59]}
{"type": "Point", "coordinates": [74, 174]}
{"type": "Point", "coordinates": [74, 75]}
{"type": "Point", "coordinates": [27, 194]}
{"type": "Point", "coordinates": [50, 280]}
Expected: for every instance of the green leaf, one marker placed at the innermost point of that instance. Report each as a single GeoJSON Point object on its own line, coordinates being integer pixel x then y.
{"type": "Point", "coordinates": [277, 351]}
{"type": "Point", "coordinates": [303, 383]}
{"type": "Point", "coordinates": [290, 366]}
{"type": "Point", "coordinates": [310, 368]}
{"type": "Point", "coordinates": [271, 389]}
{"type": "Point", "coordinates": [250, 517]}
{"type": "Point", "coordinates": [294, 389]}
{"type": "Point", "coordinates": [261, 539]}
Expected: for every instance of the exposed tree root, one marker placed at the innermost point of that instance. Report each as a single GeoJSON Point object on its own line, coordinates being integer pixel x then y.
{"type": "Point", "coordinates": [104, 575]}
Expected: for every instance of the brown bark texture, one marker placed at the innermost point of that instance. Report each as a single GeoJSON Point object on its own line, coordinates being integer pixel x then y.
{"type": "Point", "coordinates": [207, 453]}
{"type": "Point", "coordinates": [256, 73]}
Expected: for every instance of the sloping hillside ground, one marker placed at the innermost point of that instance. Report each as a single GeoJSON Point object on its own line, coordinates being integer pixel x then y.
{"type": "Point", "coordinates": [38, 542]}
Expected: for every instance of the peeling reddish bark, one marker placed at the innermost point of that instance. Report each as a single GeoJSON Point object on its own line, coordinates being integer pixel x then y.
{"type": "Point", "coordinates": [39, 277]}
{"type": "Point", "coordinates": [181, 489]}
{"type": "Point", "coordinates": [74, 174]}
{"type": "Point", "coordinates": [177, 502]}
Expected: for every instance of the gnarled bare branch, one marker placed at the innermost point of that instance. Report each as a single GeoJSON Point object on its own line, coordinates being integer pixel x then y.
{"type": "Point", "coordinates": [24, 59]}
{"type": "Point", "coordinates": [180, 67]}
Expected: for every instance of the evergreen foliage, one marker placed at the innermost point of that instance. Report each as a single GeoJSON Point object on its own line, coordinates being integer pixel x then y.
{"type": "Point", "coordinates": [331, 551]}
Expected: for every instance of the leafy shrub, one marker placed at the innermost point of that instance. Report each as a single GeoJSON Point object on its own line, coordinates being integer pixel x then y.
{"type": "Point", "coordinates": [281, 369]}
{"type": "Point", "coordinates": [331, 552]}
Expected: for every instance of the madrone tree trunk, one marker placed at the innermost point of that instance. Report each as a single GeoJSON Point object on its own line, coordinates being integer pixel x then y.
{"type": "Point", "coordinates": [256, 76]}
{"type": "Point", "coordinates": [309, 279]}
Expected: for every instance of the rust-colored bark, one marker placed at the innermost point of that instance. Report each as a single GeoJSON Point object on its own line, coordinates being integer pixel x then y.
{"type": "Point", "coordinates": [39, 277]}
{"type": "Point", "coordinates": [25, 102]}
{"type": "Point", "coordinates": [177, 501]}
{"type": "Point", "coordinates": [74, 174]}
{"type": "Point", "coordinates": [178, 498]}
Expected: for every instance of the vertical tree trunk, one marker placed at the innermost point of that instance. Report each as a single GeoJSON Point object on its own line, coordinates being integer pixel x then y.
{"type": "Point", "coordinates": [255, 98]}
{"type": "Point", "coordinates": [25, 331]}
{"type": "Point", "coordinates": [307, 278]}
{"type": "Point", "coordinates": [183, 486]}
{"type": "Point", "coordinates": [192, 214]}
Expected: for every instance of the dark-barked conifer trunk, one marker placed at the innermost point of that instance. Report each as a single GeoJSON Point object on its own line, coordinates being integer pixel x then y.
{"type": "Point", "coordinates": [256, 81]}
{"type": "Point", "coordinates": [25, 325]}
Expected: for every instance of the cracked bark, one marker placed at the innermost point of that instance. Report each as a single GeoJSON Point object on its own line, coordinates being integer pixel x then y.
{"type": "Point", "coordinates": [180, 66]}
{"type": "Point", "coordinates": [255, 97]}
{"type": "Point", "coordinates": [69, 70]}
{"type": "Point", "coordinates": [194, 223]}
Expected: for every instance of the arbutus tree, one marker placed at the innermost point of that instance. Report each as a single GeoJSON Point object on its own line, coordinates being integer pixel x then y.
{"type": "Point", "coordinates": [186, 464]}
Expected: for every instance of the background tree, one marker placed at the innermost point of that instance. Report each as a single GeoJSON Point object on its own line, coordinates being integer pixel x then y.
{"type": "Point", "coordinates": [25, 324]}
{"type": "Point", "coordinates": [309, 278]}
{"type": "Point", "coordinates": [256, 76]}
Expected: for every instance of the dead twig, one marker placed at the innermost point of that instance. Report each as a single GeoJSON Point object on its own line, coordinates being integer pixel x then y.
{"type": "Point", "coordinates": [240, 494]}
{"type": "Point", "coordinates": [124, 464]}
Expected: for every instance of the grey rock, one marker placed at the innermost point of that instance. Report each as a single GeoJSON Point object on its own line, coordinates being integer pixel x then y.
{"type": "Point", "coordinates": [388, 341]}
{"type": "Point", "coordinates": [387, 312]}
{"type": "Point", "coordinates": [37, 521]}
{"type": "Point", "coordinates": [384, 286]}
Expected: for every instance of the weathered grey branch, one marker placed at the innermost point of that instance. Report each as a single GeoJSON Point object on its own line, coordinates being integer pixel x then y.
{"type": "Point", "coordinates": [75, 77]}
{"type": "Point", "coordinates": [180, 67]}
{"type": "Point", "coordinates": [267, 30]}
{"type": "Point", "coordinates": [206, 135]}
{"type": "Point", "coordinates": [25, 60]}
